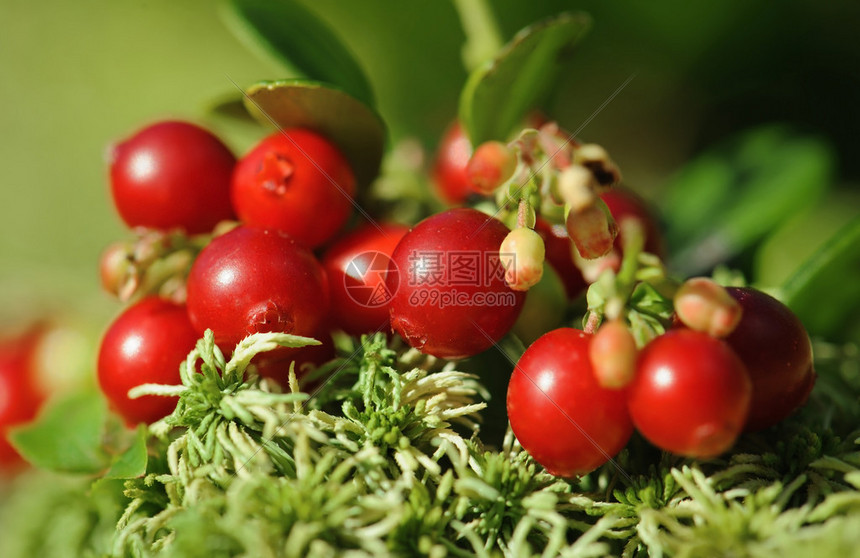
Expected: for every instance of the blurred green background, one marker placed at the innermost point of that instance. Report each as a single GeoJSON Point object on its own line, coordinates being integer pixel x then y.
{"type": "Point", "coordinates": [78, 75]}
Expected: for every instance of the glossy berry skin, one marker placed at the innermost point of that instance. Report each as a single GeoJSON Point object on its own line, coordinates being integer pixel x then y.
{"type": "Point", "coordinates": [559, 413]}
{"type": "Point", "coordinates": [357, 267]}
{"type": "Point", "coordinates": [172, 175]}
{"type": "Point", "coordinates": [775, 348]}
{"type": "Point", "coordinates": [691, 394]}
{"type": "Point", "coordinates": [295, 181]}
{"type": "Point", "coordinates": [253, 280]}
{"type": "Point", "coordinates": [450, 169]}
{"type": "Point", "coordinates": [20, 397]}
{"type": "Point", "coordinates": [144, 345]}
{"type": "Point", "coordinates": [450, 297]}
{"type": "Point", "coordinates": [624, 203]}
{"type": "Point", "coordinates": [558, 254]}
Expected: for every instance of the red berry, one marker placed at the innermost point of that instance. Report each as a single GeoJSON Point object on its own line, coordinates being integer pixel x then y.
{"type": "Point", "coordinates": [172, 175]}
{"type": "Point", "coordinates": [20, 398]}
{"type": "Point", "coordinates": [295, 181]}
{"type": "Point", "coordinates": [450, 174]}
{"type": "Point", "coordinates": [357, 267]}
{"type": "Point", "coordinates": [255, 281]}
{"type": "Point", "coordinates": [775, 348]}
{"type": "Point", "coordinates": [451, 300]}
{"type": "Point", "coordinates": [558, 411]}
{"type": "Point", "coordinates": [492, 164]}
{"type": "Point", "coordinates": [144, 345]}
{"type": "Point", "coordinates": [691, 394]}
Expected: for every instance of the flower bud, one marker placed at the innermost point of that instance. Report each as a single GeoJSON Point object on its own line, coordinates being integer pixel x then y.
{"type": "Point", "coordinates": [492, 164]}
{"type": "Point", "coordinates": [592, 230]}
{"type": "Point", "coordinates": [596, 159]}
{"type": "Point", "coordinates": [703, 305]}
{"type": "Point", "coordinates": [575, 187]}
{"type": "Point", "coordinates": [522, 254]}
{"type": "Point", "coordinates": [613, 353]}
{"type": "Point", "coordinates": [116, 267]}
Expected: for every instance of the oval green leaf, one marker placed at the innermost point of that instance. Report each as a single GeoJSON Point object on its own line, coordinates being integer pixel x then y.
{"type": "Point", "coordinates": [67, 437]}
{"type": "Point", "coordinates": [299, 39]}
{"type": "Point", "coordinates": [499, 93]}
{"type": "Point", "coordinates": [825, 290]}
{"type": "Point", "coordinates": [356, 129]}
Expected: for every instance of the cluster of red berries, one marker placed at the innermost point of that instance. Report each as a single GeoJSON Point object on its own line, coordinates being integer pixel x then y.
{"type": "Point", "coordinates": [736, 360]}
{"type": "Point", "coordinates": [451, 286]}
{"type": "Point", "coordinates": [292, 193]}
{"type": "Point", "coordinates": [733, 359]}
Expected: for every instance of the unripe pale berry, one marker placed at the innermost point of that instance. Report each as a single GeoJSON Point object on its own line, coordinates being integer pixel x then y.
{"type": "Point", "coordinates": [613, 354]}
{"type": "Point", "coordinates": [492, 164]}
{"type": "Point", "coordinates": [115, 267]}
{"type": "Point", "coordinates": [592, 230]}
{"type": "Point", "coordinates": [522, 253]}
{"type": "Point", "coordinates": [703, 305]}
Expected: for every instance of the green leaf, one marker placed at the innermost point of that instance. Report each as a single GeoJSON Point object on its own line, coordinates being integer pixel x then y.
{"type": "Point", "coordinates": [299, 39]}
{"type": "Point", "coordinates": [68, 436]}
{"type": "Point", "coordinates": [352, 125]}
{"type": "Point", "coordinates": [132, 462]}
{"type": "Point", "coordinates": [499, 93]}
{"type": "Point", "coordinates": [734, 195]}
{"type": "Point", "coordinates": [825, 291]}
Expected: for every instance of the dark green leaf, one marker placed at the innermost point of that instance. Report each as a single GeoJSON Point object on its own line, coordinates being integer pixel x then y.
{"type": "Point", "coordinates": [825, 291]}
{"type": "Point", "coordinates": [499, 93]}
{"type": "Point", "coordinates": [68, 436]}
{"type": "Point", "coordinates": [353, 126]}
{"type": "Point", "coordinates": [734, 195]}
{"type": "Point", "coordinates": [132, 462]}
{"type": "Point", "coordinates": [298, 38]}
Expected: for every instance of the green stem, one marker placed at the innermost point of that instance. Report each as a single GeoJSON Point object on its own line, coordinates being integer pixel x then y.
{"type": "Point", "coordinates": [483, 38]}
{"type": "Point", "coordinates": [634, 241]}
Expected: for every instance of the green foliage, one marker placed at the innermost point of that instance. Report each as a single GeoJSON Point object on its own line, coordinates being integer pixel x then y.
{"type": "Point", "coordinates": [385, 460]}
{"type": "Point", "coordinates": [733, 195]}
{"type": "Point", "coordinates": [297, 38]}
{"type": "Point", "coordinates": [500, 92]}
{"type": "Point", "coordinates": [75, 436]}
{"type": "Point", "coordinates": [825, 291]}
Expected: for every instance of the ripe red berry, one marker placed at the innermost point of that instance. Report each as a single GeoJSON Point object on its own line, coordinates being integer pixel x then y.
{"type": "Point", "coordinates": [172, 175]}
{"type": "Point", "coordinates": [558, 411]}
{"type": "Point", "coordinates": [144, 345]}
{"type": "Point", "coordinates": [295, 181]}
{"type": "Point", "coordinates": [20, 396]}
{"type": "Point", "coordinates": [775, 348]}
{"type": "Point", "coordinates": [357, 267]}
{"type": "Point", "coordinates": [255, 281]}
{"type": "Point", "coordinates": [691, 394]}
{"type": "Point", "coordinates": [492, 164]}
{"type": "Point", "coordinates": [451, 299]}
{"type": "Point", "coordinates": [450, 173]}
